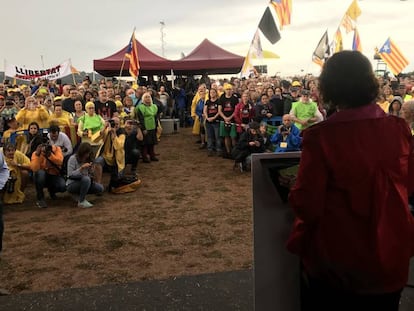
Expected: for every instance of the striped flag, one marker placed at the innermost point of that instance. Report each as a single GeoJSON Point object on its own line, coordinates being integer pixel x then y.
{"type": "Point", "coordinates": [393, 57]}
{"type": "Point", "coordinates": [283, 10]}
{"type": "Point", "coordinates": [132, 54]}
{"type": "Point", "coordinates": [338, 43]}
{"type": "Point", "coordinates": [347, 23]}
{"type": "Point", "coordinates": [356, 42]}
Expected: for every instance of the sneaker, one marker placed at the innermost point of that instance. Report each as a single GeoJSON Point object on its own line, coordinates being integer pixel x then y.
{"type": "Point", "coordinates": [146, 160]}
{"type": "Point", "coordinates": [154, 159]}
{"type": "Point", "coordinates": [53, 195]}
{"type": "Point", "coordinates": [85, 204]}
{"type": "Point", "coordinates": [41, 204]}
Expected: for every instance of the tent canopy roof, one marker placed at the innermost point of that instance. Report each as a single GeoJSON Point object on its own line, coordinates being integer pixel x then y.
{"type": "Point", "coordinates": [205, 58]}
{"type": "Point", "coordinates": [209, 58]}
{"type": "Point", "coordinates": [148, 61]}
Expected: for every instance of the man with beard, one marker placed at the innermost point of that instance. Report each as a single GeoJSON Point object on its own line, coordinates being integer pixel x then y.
{"type": "Point", "coordinates": [68, 104]}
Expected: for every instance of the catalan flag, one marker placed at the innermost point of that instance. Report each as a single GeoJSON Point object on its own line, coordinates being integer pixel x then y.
{"type": "Point", "coordinates": [132, 54]}
{"type": "Point", "coordinates": [283, 10]}
{"type": "Point", "coordinates": [393, 57]}
{"type": "Point", "coordinates": [356, 42]}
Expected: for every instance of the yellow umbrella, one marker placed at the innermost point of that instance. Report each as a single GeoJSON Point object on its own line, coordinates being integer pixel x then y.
{"type": "Point", "coordinates": [268, 54]}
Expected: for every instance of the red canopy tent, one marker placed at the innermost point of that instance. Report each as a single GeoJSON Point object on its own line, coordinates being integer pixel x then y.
{"type": "Point", "coordinates": [209, 58]}
{"type": "Point", "coordinates": [205, 58]}
{"type": "Point", "coordinates": [149, 62]}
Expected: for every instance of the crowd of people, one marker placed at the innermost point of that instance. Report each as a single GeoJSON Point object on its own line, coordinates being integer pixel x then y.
{"type": "Point", "coordinates": [43, 124]}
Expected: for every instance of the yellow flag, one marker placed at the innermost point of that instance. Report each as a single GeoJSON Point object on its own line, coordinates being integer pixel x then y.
{"type": "Point", "coordinates": [338, 41]}
{"type": "Point", "coordinates": [354, 11]}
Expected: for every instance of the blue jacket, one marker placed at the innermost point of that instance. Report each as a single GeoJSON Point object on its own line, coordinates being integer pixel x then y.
{"type": "Point", "coordinates": [292, 142]}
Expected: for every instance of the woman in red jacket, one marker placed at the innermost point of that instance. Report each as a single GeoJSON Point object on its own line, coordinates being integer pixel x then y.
{"type": "Point", "coordinates": [353, 230]}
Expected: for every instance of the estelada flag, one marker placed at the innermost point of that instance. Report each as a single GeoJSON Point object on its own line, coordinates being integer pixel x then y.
{"type": "Point", "coordinates": [132, 54]}
{"type": "Point", "coordinates": [283, 10]}
{"type": "Point", "coordinates": [393, 57]}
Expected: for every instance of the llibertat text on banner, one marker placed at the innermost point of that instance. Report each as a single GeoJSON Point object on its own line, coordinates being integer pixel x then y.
{"type": "Point", "coordinates": [24, 73]}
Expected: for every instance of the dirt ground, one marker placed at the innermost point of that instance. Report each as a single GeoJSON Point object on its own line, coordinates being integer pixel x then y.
{"type": "Point", "coordinates": [192, 214]}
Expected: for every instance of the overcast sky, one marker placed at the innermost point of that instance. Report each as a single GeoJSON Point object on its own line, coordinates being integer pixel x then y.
{"type": "Point", "coordinates": [93, 29]}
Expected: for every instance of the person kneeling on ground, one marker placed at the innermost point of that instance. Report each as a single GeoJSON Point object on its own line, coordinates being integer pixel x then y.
{"type": "Point", "coordinates": [19, 166]}
{"type": "Point", "coordinates": [250, 142]}
{"type": "Point", "coordinates": [133, 143]}
{"type": "Point", "coordinates": [287, 137]}
{"type": "Point", "coordinates": [46, 164]}
{"type": "Point", "coordinates": [81, 171]}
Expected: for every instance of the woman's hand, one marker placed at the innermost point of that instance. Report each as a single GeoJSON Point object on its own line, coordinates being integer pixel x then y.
{"type": "Point", "coordinates": [86, 166]}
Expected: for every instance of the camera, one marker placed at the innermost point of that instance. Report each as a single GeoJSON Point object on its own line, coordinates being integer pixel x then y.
{"type": "Point", "coordinates": [10, 184]}
{"type": "Point", "coordinates": [284, 129]}
{"type": "Point", "coordinates": [47, 149]}
{"type": "Point", "coordinates": [111, 123]}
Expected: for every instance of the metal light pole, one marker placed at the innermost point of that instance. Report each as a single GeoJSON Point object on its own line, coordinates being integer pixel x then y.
{"type": "Point", "coordinates": [162, 38]}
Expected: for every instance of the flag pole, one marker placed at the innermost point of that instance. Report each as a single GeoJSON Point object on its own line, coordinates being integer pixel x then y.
{"type": "Point", "coordinates": [5, 64]}
{"type": "Point", "coordinates": [71, 71]}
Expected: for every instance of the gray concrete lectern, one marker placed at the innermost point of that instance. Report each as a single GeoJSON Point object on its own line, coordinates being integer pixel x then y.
{"type": "Point", "coordinates": [276, 271]}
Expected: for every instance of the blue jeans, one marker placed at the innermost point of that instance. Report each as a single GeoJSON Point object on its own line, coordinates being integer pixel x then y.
{"type": "Point", "coordinates": [213, 136]}
{"type": "Point", "coordinates": [53, 183]}
{"type": "Point", "coordinates": [84, 186]}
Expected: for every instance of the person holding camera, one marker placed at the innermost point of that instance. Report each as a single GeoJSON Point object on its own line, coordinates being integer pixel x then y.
{"type": "Point", "coordinates": [81, 174]}
{"type": "Point", "coordinates": [32, 112]}
{"type": "Point", "coordinates": [46, 164]}
{"type": "Point", "coordinates": [250, 142]}
{"type": "Point", "coordinates": [287, 137]}
{"type": "Point", "coordinates": [19, 166]}
{"type": "Point", "coordinates": [132, 146]}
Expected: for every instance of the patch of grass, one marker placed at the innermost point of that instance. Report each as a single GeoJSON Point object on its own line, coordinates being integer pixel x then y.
{"type": "Point", "coordinates": [174, 252]}
{"type": "Point", "coordinates": [204, 238]}
{"type": "Point", "coordinates": [87, 266]}
{"type": "Point", "coordinates": [160, 226]}
{"type": "Point", "coordinates": [58, 241]}
{"type": "Point", "coordinates": [41, 270]}
{"type": "Point", "coordinates": [221, 189]}
{"type": "Point", "coordinates": [213, 254]}
{"type": "Point", "coordinates": [236, 221]}
{"type": "Point", "coordinates": [177, 197]}
{"type": "Point", "coordinates": [85, 250]}
{"type": "Point", "coordinates": [162, 243]}
{"type": "Point", "coordinates": [114, 242]}
{"type": "Point", "coordinates": [39, 219]}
